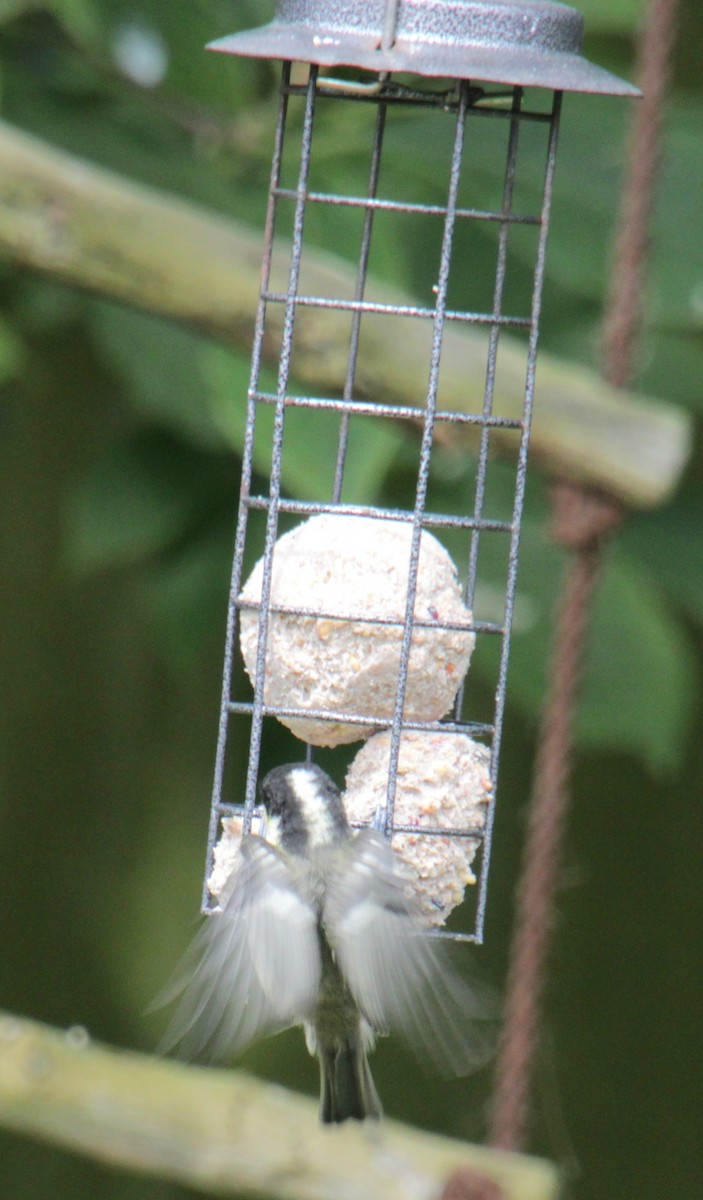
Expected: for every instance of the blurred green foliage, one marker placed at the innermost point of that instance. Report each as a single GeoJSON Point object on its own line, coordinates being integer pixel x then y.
{"type": "Point", "coordinates": [120, 437]}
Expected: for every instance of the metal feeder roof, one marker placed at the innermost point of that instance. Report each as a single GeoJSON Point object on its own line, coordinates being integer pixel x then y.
{"type": "Point", "coordinates": [531, 43]}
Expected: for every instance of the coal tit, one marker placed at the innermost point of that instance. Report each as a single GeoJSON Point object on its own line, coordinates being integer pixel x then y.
{"type": "Point", "coordinates": [318, 927]}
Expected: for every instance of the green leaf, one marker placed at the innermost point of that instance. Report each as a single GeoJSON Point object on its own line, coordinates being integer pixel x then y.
{"type": "Point", "coordinates": [639, 679]}
{"type": "Point", "coordinates": [12, 352]}
{"type": "Point", "coordinates": [79, 18]}
{"type": "Point", "coordinates": [73, 96]}
{"type": "Point", "coordinates": [668, 542]}
{"type": "Point", "coordinates": [158, 364]}
{"type": "Point", "coordinates": [10, 9]}
{"type": "Point", "coordinates": [611, 16]}
{"type": "Point", "coordinates": [143, 496]}
{"type": "Point", "coordinates": [186, 594]}
{"type": "Point", "coordinates": [640, 683]}
{"type": "Point", "coordinates": [677, 266]}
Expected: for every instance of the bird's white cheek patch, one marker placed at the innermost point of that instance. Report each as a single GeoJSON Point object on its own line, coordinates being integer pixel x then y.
{"type": "Point", "coordinates": [271, 830]}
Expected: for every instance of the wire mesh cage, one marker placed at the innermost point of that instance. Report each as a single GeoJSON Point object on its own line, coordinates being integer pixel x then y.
{"type": "Point", "coordinates": [327, 653]}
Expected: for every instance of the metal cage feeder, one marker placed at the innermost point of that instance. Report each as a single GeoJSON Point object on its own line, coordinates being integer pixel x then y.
{"type": "Point", "coordinates": [480, 72]}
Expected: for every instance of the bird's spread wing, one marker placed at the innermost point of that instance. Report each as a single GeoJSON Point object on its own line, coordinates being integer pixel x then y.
{"type": "Point", "coordinates": [254, 968]}
{"type": "Point", "coordinates": [400, 977]}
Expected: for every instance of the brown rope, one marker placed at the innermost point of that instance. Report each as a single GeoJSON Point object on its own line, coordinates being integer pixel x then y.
{"type": "Point", "coordinates": [582, 520]}
{"type": "Point", "coordinates": [467, 1184]}
{"type": "Point", "coordinates": [623, 315]}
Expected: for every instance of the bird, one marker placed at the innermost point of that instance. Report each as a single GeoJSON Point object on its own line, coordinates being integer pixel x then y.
{"type": "Point", "coordinates": [318, 926]}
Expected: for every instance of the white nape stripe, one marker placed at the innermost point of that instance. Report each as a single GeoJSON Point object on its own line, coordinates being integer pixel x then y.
{"type": "Point", "coordinates": [319, 821]}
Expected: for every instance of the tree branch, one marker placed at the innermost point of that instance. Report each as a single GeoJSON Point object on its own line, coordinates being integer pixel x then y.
{"type": "Point", "coordinates": [88, 227]}
{"type": "Point", "coordinates": [224, 1131]}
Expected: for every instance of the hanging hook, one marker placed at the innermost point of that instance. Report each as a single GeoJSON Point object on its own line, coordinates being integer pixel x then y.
{"type": "Point", "coordinates": [390, 24]}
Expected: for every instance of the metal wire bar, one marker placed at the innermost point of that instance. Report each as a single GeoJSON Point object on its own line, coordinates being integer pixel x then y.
{"type": "Point", "coordinates": [364, 252]}
{"type": "Point", "coordinates": [482, 103]}
{"type": "Point", "coordinates": [426, 449]}
{"type": "Point", "coordinates": [433, 520]}
{"type": "Point", "coordinates": [407, 207]}
{"type": "Point", "coordinates": [363, 720]}
{"type": "Point", "coordinates": [242, 512]}
{"type": "Point", "coordinates": [403, 412]}
{"type": "Point", "coordinates": [396, 310]}
{"type": "Point", "coordinates": [277, 440]}
{"type": "Point", "coordinates": [469, 831]}
{"type": "Point", "coordinates": [520, 491]}
{"type": "Point", "coordinates": [325, 614]}
{"type": "Point", "coordinates": [487, 415]}
{"type": "Point", "coordinates": [482, 463]}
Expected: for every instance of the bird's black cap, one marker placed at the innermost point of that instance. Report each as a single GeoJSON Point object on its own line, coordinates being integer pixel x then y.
{"type": "Point", "coordinates": [304, 808]}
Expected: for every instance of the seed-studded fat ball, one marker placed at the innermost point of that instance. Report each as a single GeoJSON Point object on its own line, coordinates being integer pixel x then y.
{"type": "Point", "coordinates": [348, 570]}
{"type": "Point", "coordinates": [226, 852]}
{"type": "Point", "coordinates": [443, 780]}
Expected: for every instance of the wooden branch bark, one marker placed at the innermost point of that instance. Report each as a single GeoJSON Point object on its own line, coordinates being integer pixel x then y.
{"type": "Point", "coordinates": [88, 227]}
{"type": "Point", "coordinates": [224, 1131]}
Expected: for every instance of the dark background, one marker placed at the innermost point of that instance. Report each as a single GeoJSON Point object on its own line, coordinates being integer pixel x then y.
{"type": "Point", "coordinates": [117, 495]}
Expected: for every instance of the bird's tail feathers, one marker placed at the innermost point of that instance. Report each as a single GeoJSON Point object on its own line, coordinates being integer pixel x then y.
{"type": "Point", "coordinates": [347, 1089]}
